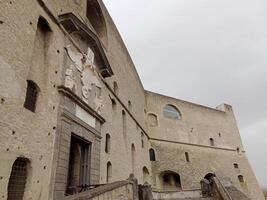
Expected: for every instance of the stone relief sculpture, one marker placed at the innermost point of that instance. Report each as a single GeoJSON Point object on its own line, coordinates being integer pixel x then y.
{"type": "Point", "coordinates": [70, 78]}
{"type": "Point", "coordinates": [98, 104]}
{"type": "Point", "coordinates": [76, 57]}
{"type": "Point", "coordinates": [89, 76]}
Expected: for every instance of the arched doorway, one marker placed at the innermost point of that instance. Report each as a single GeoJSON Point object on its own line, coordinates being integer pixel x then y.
{"type": "Point", "coordinates": [209, 176]}
{"type": "Point", "coordinates": [170, 181]}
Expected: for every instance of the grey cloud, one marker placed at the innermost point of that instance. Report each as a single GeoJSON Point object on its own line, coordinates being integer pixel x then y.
{"type": "Point", "coordinates": [208, 51]}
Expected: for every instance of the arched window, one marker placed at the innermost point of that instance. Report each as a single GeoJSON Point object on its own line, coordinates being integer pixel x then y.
{"type": "Point", "coordinates": [187, 157]}
{"type": "Point", "coordinates": [18, 179]}
{"type": "Point", "coordinates": [107, 144]}
{"type": "Point", "coordinates": [152, 155]}
{"type": "Point", "coordinates": [129, 105]}
{"type": "Point", "coordinates": [31, 96]}
{"type": "Point", "coordinates": [152, 119]}
{"type": "Point", "coordinates": [133, 158]}
{"type": "Point", "coordinates": [96, 18]}
{"type": "Point", "coordinates": [145, 175]}
{"type": "Point", "coordinates": [171, 112]}
{"type": "Point", "coordinates": [241, 178]}
{"type": "Point", "coordinates": [211, 142]}
{"type": "Point", "coordinates": [109, 172]}
{"type": "Point", "coordinates": [115, 88]}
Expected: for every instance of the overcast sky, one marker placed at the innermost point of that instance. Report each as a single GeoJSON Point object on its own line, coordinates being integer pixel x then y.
{"type": "Point", "coordinates": [207, 52]}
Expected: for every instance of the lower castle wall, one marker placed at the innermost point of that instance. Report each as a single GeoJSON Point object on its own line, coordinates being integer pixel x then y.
{"type": "Point", "coordinates": [203, 160]}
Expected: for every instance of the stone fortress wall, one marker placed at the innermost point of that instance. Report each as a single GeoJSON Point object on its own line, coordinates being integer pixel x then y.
{"type": "Point", "coordinates": [191, 134]}
{"type": "Point", "coordinates": [45, 41]}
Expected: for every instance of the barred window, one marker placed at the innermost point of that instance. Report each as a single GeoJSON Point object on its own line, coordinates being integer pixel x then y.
{"type": "Point", "coordinates": [18, 178]}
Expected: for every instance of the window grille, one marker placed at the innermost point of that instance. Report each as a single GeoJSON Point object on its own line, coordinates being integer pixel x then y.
{"type": "Point", "coordinates": [17, 181]}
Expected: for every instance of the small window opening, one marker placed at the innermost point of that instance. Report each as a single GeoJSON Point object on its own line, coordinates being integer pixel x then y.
{"type": "Point", "coordinates": [235, 165]}
{"type": "Point", "coordinates": [107, 144]}
{"type": "Point", "coordinates": [31, 96]}
{"type": "Point", "coordinates": [142, 140]}
{"type": "Point", "coordinates": [238, 150]}
{"type": "Point", "coordinates": [152, 155]}
{"type": "Point", "coordinates": [78, 175]}
{"type": "Point", "coordinates": [241, 179]}
{"type": "Point", "coordinates": [133, 158]}
{"type": "Point", "coordinates": [109, 172]}
{"type": "Point", "coordinates": [113, 102]}
{"type": "Point", "coordinates": [211, 142]}
{"type": "Point", "coordinates": [18, 179]}
{"type": "Point", "coordinates": [129, 105]}
{"type": "Point", "coordinates": [115, 88]}
{"type": "Point", "coordinates": [187, 157]}
{"type": "Point", "coordinates": [124, 124]}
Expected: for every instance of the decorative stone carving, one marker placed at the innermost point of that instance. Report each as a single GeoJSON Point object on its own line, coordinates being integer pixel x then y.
{"type": "Point", "coordinates": [69, 78]}
{"type": "Point", "coordinates": [98, 104]}
{"type": "Point", "coordinates": [89, 76]}
{"type": "Point", "coordinates": [76, 57]}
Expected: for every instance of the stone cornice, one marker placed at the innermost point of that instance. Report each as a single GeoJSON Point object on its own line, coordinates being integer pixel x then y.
{"type": "Point", "coordinates": [192, 144]}
{"type": "Point", "coordinates": [73, 24]}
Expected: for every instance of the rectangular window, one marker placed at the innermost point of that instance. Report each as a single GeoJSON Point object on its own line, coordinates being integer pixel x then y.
{"type": "Point", "coordinates": [31, 96]}
{"type": "Point", "coordinates": [187, 157]}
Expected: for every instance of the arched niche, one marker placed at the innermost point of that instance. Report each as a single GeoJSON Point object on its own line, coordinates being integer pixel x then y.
{"type": "Point", "coordinates": [96, 18]}
{"type": "Point", "coordinates": [170, 181]}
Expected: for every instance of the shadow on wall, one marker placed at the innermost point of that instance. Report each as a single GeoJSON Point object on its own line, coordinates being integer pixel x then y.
{"type": "Point", "coordinates": [170, 181]}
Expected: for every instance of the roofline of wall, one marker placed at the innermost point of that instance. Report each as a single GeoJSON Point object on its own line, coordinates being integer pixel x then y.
{"type": "Point", "coordinates": [191, 144]}
{"type": "Point", "coordinates": [183, 101]}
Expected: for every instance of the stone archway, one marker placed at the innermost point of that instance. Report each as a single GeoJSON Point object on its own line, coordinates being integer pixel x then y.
{"type": "Point", "coordinates": [209, 176]}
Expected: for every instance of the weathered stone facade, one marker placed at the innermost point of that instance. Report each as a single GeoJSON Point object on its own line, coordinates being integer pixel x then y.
{"type": "Point", "coordinates": [74, 113]}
